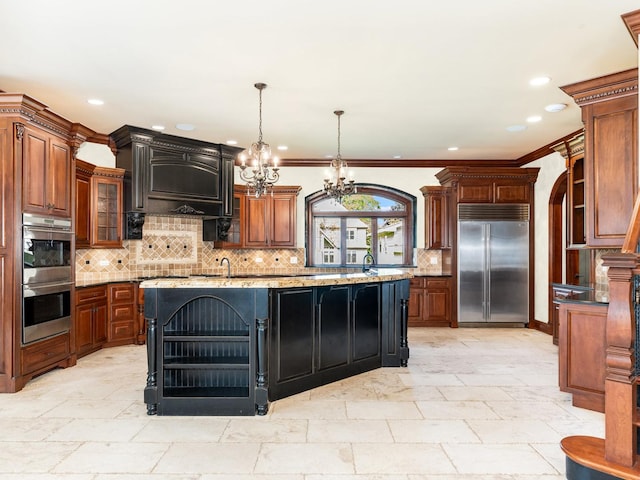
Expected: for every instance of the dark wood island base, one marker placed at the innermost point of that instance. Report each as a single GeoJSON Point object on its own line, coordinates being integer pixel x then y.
{"type": "Point", "coordinates": [229, 346]}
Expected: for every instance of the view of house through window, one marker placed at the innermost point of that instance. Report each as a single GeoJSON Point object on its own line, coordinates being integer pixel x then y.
{"type": "Point", "coordinates": [376, 220]}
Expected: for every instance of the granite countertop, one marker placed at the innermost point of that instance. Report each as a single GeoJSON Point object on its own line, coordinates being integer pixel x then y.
{"type": "Point", "coordinates": [274, 281]}
{"type": "Point", "coordinates": [564, 293]}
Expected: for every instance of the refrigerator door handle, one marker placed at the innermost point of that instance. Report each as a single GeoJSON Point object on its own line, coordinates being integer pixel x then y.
{"type": "Point", "coordinates": [487, 283]}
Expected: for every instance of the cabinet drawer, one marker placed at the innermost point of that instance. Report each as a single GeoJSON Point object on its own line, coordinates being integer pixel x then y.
{"type": "Point", "coordinates": [122, 293]}
{"type": "Point", "coordinates": [120, 313]}
{"type": "Point", "coordinates": [418, 282]}
{"type": "Point", "coordinates": [437, 283]}
{"type": "Point", "coordinates": [121, 331]}
{"type": "Point", "coordinates": [47, 352]}
{"type": "Point", "coordinates": [90, 294]}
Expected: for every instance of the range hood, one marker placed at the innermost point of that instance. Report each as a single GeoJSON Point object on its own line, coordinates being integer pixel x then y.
{"type": "Point", "coordinates": [171, 175]}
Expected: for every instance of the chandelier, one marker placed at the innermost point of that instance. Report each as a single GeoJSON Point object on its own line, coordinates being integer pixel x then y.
{"type": "Point", "coordinates": [263, 172]}
{"type": "Point", "coordinates": [335, 184]}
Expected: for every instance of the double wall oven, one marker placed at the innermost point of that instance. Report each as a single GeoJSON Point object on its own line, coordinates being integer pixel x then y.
{"type": "Point", "coordinates": [47, 278]}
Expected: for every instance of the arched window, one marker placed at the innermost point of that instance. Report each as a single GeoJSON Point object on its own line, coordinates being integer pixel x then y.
{"type": "Point", "coordinates": [378, 220]}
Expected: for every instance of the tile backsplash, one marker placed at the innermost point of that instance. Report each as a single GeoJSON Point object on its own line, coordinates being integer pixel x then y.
{"type": "Point", "coordinates": [173, 245]}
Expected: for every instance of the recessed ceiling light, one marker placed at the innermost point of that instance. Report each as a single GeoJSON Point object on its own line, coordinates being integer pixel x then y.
{"type": "Point", "coordinates": [328, 156]}
{"type": "Point", "coordinates": [95, 101]}
{"type": "Point", "coordinates": [555, 107]}
{"type": "Point", "coordinates": [452, 149]}
{"type": "Point", "coordinates": [534, 118]}
{"type": "Point", "coordinates": [282, 148]}
{"type": "Point", "coordinates": [397, 156]}
{"type": "Point", "coordinates": [157, 127]}
{"type": "Point", "coordinates": [516, 128]}
{"type": "Point", "coordinates": [538, 81]}
{"type": "Point", "coordinates": [187, 127]}
{"type": "Point", "coordinates": [232, 142]}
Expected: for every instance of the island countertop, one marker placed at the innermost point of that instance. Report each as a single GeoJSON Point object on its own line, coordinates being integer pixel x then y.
{"type": "Point", "coordinates": [276, 281]}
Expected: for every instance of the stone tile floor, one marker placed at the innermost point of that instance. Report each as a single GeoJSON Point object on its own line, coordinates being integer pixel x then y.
{"type": "Point", "coordinates": [473, 404]}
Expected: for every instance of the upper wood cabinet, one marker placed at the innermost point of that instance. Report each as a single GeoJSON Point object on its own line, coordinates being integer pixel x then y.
{"type": "Point", "coordinates": [489, 185]}
{"type": "Point", "coordinates": [610, 115]}
{"type": "Point", "coordinates": [436, 222]}
{"type": "Point", "coordinates": [46, 173]}
{"type": "Point", "coordinates": [270, 220]}
{"type": "Point", "coordinates": [98, 206]}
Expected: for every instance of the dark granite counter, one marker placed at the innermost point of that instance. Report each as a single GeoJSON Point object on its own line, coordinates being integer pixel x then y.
{"type": "Point", "coordinates": [564, 293]}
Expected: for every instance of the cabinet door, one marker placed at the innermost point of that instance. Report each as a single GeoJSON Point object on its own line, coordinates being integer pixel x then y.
{"type": "Point", "coordinates": [83, 328]}
{"type": "Point", "coordinates": [366, 321]}
{"type": "Point", "coordinates": [256, 233]}
{"type": "Point", "coordinates": [100, 324]}
{"type": "Point", "coordinates": [438, 306]}
{"type": "Point", "coordinates": [471, 193]}
{"type": "Point", "coordinates": [292, 336]}
{"type": "Point", "coordinates": [610, 169]}
{"type": "Point", "coordinates": [106, 209]}
{"type": "Point", "coordinates": [59, 174]}
{"type": "Point", "coordinates": [512, 192]}
{"type": "Point", "coordinates": [582, 352]}
{"type": "Point", "coordinates": [46, 174]}
{"type": "Point", "coordinates": [417, 313]}
{"type": "Point", "coordinates": [83, 210]}
{"type": "Point", "coordinates": [333, 326]}
{"type": "Point", "coordinates": [436, 217]}
{"type": "Point", "coordinates": [283, 221]}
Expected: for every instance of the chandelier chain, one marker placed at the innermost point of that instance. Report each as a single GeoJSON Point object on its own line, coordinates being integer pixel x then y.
{"type": "Point", "coordinates": [260, 88]}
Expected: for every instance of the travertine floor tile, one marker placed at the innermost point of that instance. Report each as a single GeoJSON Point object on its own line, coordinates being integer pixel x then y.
{"type": "Point", "coordinates": [474, 404]}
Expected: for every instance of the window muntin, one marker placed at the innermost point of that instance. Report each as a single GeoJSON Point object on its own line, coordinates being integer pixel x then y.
{"type": "Point", "coordinates": [378, 220]}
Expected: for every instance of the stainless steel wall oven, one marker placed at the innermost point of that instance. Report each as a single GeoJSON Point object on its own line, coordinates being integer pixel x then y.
{"type": "Point", "coordinates": [47, 277]}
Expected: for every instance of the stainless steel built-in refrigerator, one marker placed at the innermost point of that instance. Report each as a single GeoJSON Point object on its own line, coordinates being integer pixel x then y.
{"type": "Point", "coordinates": [493, 264]}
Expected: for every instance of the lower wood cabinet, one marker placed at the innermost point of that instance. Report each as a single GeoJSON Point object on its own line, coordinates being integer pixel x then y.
{"type": "Point", "coordinates": [581, 349]}
{"type": "Point", "coordinates": [90, 319]}
{"type": "Point", "coordinates": [41, 356]}
{"type": "Point", "coordinates": [123, 314]}
{"type": "Point", "coordinates": [105, 316]}
{"type": "Point", "coordinates": [430, 302]}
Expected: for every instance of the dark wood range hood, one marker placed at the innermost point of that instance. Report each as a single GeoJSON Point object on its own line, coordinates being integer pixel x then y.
{"type": "Point", "coordinates": [171, 175]}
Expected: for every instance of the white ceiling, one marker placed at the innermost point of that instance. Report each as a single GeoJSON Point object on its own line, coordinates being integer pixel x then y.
{"type": "Point", "coordinates": [413, 76]}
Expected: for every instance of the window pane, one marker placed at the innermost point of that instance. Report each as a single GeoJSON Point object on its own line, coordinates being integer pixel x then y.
{"type": "Point", "coordinates": [371, 203]}
{"type": "Point", "coordinates": [390, 248]}
{"type": "Point", "coordinates": [326, 241]}
{"type": "Point", "coordinates": [327, 205]}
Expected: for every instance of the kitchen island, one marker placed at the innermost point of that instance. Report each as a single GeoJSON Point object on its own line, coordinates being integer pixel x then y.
{"type": "Point", "coordinates": [229, 346]}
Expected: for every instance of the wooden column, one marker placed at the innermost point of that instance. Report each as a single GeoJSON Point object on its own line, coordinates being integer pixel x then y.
{"type": "Point", "coordinates": [620, 389]}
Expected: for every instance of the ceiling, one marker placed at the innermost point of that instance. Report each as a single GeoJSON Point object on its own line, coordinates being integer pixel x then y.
{"type": "Point", "coordinates": [414, 77]}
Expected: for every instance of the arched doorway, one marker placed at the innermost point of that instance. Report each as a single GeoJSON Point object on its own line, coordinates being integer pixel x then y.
{"type": "Point", "coordinates": [556, 246]}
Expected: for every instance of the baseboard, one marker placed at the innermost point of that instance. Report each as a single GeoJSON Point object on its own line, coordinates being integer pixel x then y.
{"type": "Point", "coordinates": [543, 327]}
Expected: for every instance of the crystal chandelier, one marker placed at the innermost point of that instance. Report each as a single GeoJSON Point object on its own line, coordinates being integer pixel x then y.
{"type": "Point", "coordinates": [335, 184]}
{"type": "Point", "coordinates": [263, 172]}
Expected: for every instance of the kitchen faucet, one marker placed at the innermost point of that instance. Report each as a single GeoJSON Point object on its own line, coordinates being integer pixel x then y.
{"type": "Point", "coordinates": [225, 259]}
{"type": "Point", "coordinates": [365, 267]}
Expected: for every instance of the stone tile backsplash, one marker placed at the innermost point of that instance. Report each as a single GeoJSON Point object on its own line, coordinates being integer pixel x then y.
{"type": "Point", "coordinates": [173, 246]}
